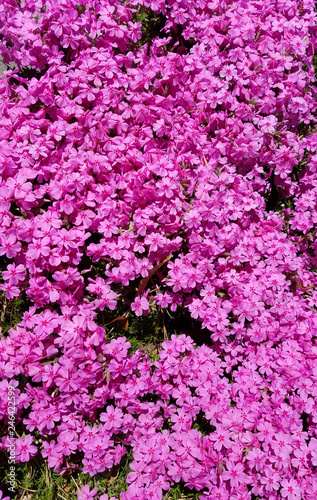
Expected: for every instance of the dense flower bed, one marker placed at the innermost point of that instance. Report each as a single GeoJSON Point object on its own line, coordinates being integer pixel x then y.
{"type": "Point", "coordinates": [177, 173]}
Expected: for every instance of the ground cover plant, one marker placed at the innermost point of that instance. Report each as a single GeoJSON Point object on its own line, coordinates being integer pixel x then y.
{"type": "Point", "coordinates": [158, 220]}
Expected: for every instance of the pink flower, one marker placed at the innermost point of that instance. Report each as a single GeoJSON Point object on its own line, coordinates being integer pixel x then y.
{"type": "Point", "coordinates": [268, 124]}
{"type": "Point", "coordinates": [66, 442]}
{"type": "Point", "coordinates": [221, 437]}
{"type": "Point", "coordinates": [86, 494]}
{"type": "Point", "coordinates": [139, 305]}
{"type": "Point", "coordinates": [290, 489]}
{"type": "Point", "coordinates": [24, 448]}
{"type": "Point", "coordinates": [14, 273]}
{"type": "Point", "coordinates": [234, 474]}
{"type": "Point", "coordinates": [10, 290]}
{"type": "Point", "coordinates": [9, 246]}
{"type": "Point", "coordinates": [112, 418]}
{"type": "Point", "coordinates": [270, 480]}
{"type": "Point", "coordinates": [181, 421]}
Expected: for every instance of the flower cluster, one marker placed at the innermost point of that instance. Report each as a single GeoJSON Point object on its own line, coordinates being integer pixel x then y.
{"type": "Point", "coordinates": [175, 173]}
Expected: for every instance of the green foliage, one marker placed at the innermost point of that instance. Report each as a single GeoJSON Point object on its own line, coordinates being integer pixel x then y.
{"type": "Point", "coordinates": [118, 484]}
{"type": "Point", "coordinates": [202, 425]}
{"type": "Point", "coordinates": [175, 492]}
{"type": "Point", "coordinates": [145, 332]}
{"type": "Point", "coordinates": [315, 65]}
{"type": "Point", "coordinates": [180, 492]}
{"type": "Point", "coordinates": [152, 24]}
{"type": "Point", "coordinates": [38, 482]}
{"type": "Point", "coordinates": [11, 311]}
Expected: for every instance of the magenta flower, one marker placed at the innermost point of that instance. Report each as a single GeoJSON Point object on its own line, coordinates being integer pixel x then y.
{"type": "Point", "coordinates": [139, 305]}
{"type": "Point", "coordinates": [66, 442]}
{"type": "Point", "coordinates": [234, 474]}
{"type": "Point", "coordinates": [290, 489]}
{"type": "Point", "coordinates": [86, 494]}
{"type": "Point", "coordinates": [24, 448]}
{"type": "Point", "coordinates": [271, 480]}
{"type": "Point", "coordinates": [11, 291]}
{"type": "Point", "coordinates": [112, 418]}
{"type": "Point", "coordinates": [221, 437]}
{"type": "Point", "coordinates": [9, 246]}
{"type": "Point", "coordinates": [14, 274]}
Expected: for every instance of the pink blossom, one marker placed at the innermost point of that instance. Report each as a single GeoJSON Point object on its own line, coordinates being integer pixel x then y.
{"type": "Point", "coordinates": [290, 489]}
{"type": "Point", "coordinates": [139, 305]}
{"type": "Point", "coordinates": [234, 474]}
{"type": "Point", "coordinates": [86, 494]}
{"type": "Point", "coordinates": [25, 449]}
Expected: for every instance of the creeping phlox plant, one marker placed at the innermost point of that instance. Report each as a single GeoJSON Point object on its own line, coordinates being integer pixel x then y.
{"type": "Point", "coordinates": [152, 176]}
